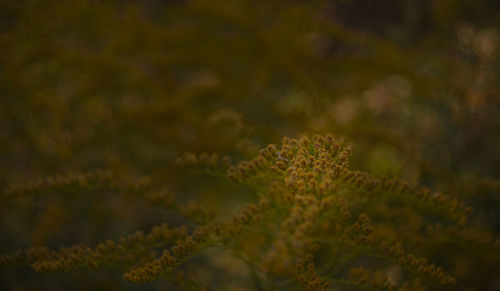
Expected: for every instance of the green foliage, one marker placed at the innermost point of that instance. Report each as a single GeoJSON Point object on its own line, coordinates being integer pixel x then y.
{"type": "Point", "coordinates": [134, 145]}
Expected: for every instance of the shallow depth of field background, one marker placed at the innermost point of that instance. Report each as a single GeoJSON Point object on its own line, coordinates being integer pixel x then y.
{"type": "Point", "coordinates": [131, 85]}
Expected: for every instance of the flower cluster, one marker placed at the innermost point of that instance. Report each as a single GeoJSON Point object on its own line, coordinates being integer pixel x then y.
{"type": "Point", "coordinates": [308, 197]}
{"type": "Point", "coordinates": [306, 163]}
{"type": "Point", "coordinates": [251, 214]}
{"type": "Point", "coordinates": [131, 248]}
{"type": "Point", "coordinates": [170, 259]}
{"type": "Point", "coordinates": [307, 276]}
{"type": "Point", "coordinates": [455, 208]}
{"type": "Point", "coordinates": [310, 176]}
{"type": "Point", "coordinates": [201, 237]}
{"type": "Point", "coordinates": [68, 183]}
{"type": "Point", "coordinates": [362, 233]}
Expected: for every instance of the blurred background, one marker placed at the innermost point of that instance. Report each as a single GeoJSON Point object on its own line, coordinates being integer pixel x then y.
{"type": "Point", "coordinates": [131, 85]}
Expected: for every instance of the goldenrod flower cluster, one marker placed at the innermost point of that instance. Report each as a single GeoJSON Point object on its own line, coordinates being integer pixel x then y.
{"type": "Point", "coordinates": [307, 199]}
{"type": "Point", "coordinates": [127, 249]}
{"type": "Point", "coordinates": [67, 183]}
{"type": "Point", "coordinates": [307, 275]}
